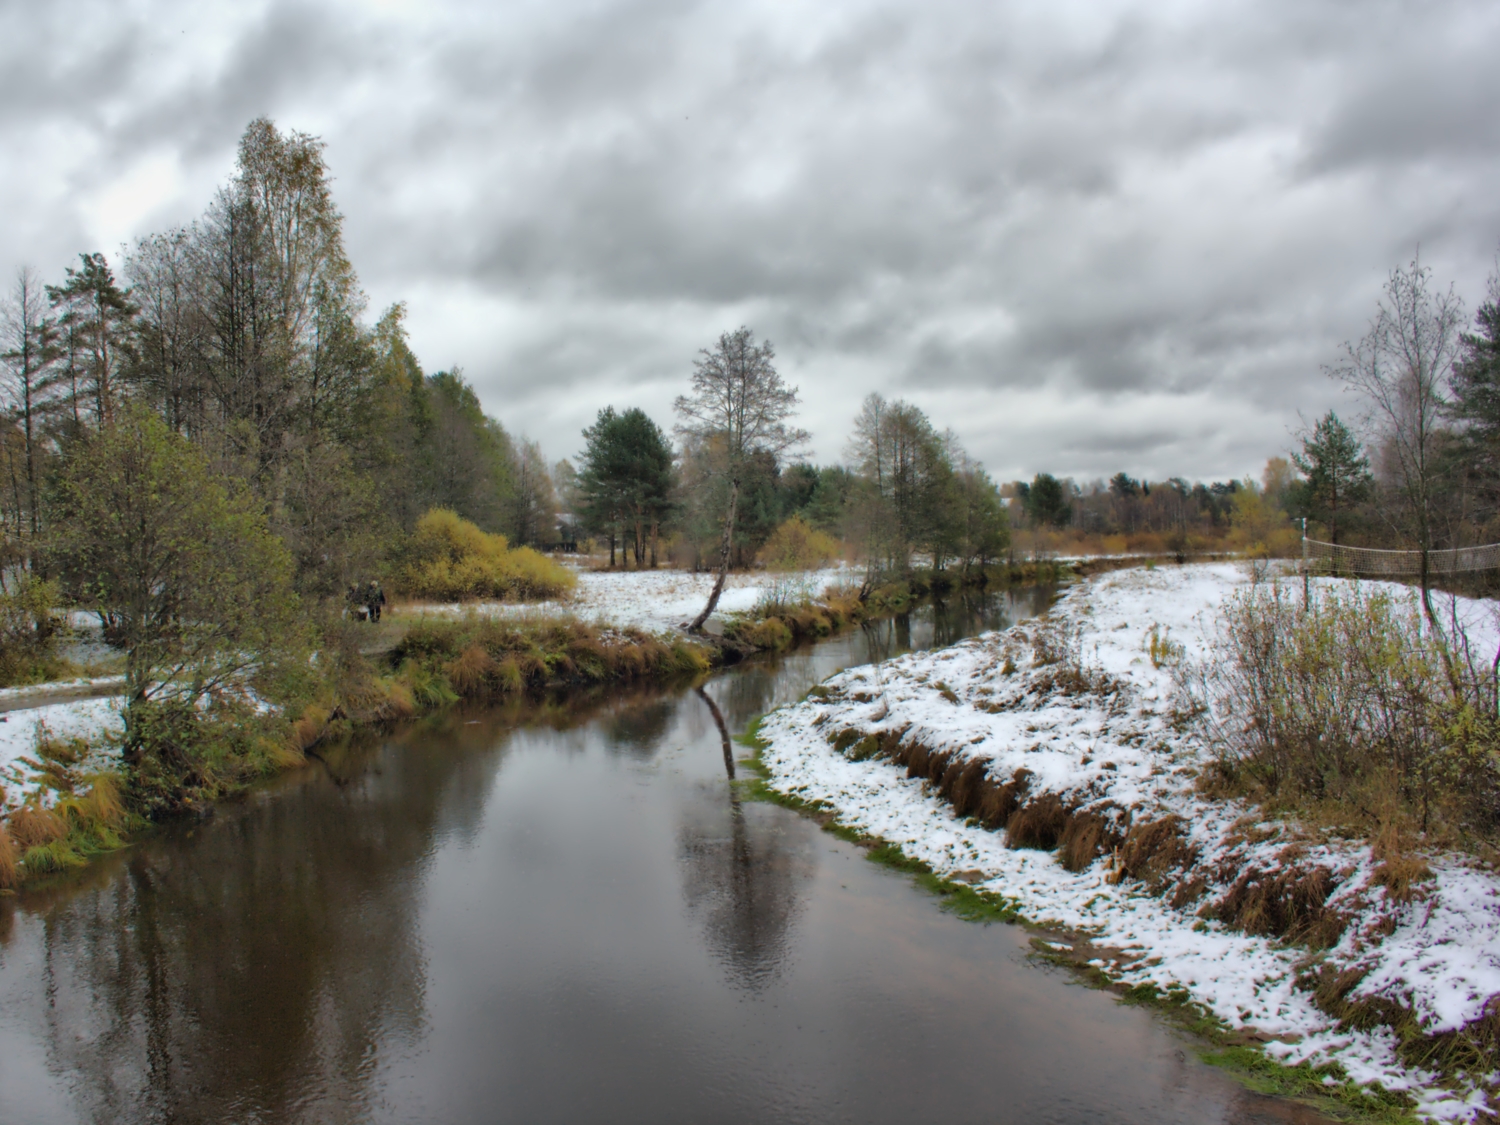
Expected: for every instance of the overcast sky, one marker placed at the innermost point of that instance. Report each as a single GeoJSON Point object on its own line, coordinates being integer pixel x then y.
{"type": "Point", "coordinates": [1087, 237]}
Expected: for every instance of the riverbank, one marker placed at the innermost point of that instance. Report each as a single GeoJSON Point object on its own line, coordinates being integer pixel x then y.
{"type": "Point", "coordinates": [1054, 769]}
{"type": "Point", "coordinates": [621, 629]}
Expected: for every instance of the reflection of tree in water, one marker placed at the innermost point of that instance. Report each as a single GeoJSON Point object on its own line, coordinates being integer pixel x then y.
{"type": "Point", "coordinates": [257, 971]}
{"type": "Point", "coordinates": [750, 690]}
{"type": "Point", "coordinates": [742, 879]}
{"type": "Point", "coordinates": [640, 727]}
{"type": "Point", "coordinates": [970, 613]}
{"type": "Point", "coordinates": [881, 637]}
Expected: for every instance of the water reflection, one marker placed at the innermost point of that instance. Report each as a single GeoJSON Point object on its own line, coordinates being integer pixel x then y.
{"type": "Point", "coordinates": [241, 970]}
{"type": "Point", "coordinates": [639, 727]}
{"type": "Point", "coordinates": [740, 877]}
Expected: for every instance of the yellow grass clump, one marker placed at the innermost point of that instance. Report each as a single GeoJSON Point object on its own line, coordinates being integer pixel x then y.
{"type": "Point", "coordinates": [7, 860]}
{"type": "Point", "coordinates": [450, 559]}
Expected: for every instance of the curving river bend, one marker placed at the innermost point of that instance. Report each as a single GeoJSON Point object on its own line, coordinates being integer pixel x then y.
{"type": "Point", "coordinates": [560, 912]}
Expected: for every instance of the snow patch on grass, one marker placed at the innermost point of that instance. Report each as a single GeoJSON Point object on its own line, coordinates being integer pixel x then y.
{"type": "Point", "coordinates": [655, 600]}
{"type": "Point", "coordinates": [90, 719]}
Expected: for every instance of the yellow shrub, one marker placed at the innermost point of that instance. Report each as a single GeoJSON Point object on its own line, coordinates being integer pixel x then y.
{"type": "Point", "coordinates": [797, 545]}
{"type": "Point", "coordinates": [450, 559]}
{"type": "Point", "coordinates": [1260, 528]}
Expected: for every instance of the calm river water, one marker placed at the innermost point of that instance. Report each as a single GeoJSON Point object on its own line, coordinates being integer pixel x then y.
{"type": "Point", "coordinates": [559, 914]}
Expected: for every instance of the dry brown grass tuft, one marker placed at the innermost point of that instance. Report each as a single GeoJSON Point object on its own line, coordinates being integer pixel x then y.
{"type": "Point", "coordinates": [1290, 903]}
{"type": "Point", "coordinates": [104, 804]}
{"type": "Point", "coordinates": [396, 702]}
{"type": "Point", "coordinates": [916, 758]}
{"type": "Point", "coordinates": [1090, 833]}
{"type": "Point", "coordinates": [1155, 848]}
{"type": "Point", "coordinates": [8, 860]}
{"type": "Point", "coordinates": [963, 784]}
{"type": "Point", "coordinates": [1471, 1049]}
{"type": "Point", "coordinates": [1037, 824]}
{"type": "Point", "coordinates": [1400, 870]}
{"type": "Point", "coordinates": [473, 672]}
{"type": "Point", "coordinates": [32, 826]}
{"type": "Point", "coordinates": [1000, 799]}
{"type": "Point", "coordinates": [307, 730]}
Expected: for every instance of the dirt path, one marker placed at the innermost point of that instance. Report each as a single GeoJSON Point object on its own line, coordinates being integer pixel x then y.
{"type": "Point", "coordinates": [39, 695]}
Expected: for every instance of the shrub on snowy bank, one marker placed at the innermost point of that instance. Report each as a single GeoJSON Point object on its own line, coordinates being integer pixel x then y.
{"type": "Point", "coordinates": [1353, 710]}
{"type": "Point", "coordinates": [449, 559]}
{"type": "Point", "coordinates": [798, 546]}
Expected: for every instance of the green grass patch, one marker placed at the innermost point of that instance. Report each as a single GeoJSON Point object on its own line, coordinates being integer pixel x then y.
{"type": "Point", "coordinates": [1305, 1083]}
{"type": "Point", "coordinates": [958, 899]}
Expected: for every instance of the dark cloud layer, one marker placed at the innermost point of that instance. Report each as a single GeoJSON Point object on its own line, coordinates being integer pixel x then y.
{"type": "Point", "coordinates": [1087, 237]}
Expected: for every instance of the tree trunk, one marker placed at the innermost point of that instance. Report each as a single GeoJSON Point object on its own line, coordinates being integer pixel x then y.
{"type": "Point", "coordinates": [611, 548]}
{"type": "Point", "coordinates": [724, 548]}
{"type": "Point", "coordinates": [655, 536]}
{"type": "Point", "coordinates": [724, 741]}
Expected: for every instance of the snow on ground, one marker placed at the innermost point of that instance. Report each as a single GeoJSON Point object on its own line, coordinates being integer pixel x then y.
{"type": "Point", "coordinates": [89, 719]}
{"type": "Point", "coordinates": [987, 697]}
{"type": "Point", "coordinates": [657, 600]}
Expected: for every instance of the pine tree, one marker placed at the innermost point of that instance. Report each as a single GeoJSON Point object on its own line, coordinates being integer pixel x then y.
{"type": "Point", "coordinates": [95, 314]}
{"type": "Point", "coordinates": [625, 480]}
{"type": "Point", "coordinates": [1476, 395]}
{"type": "Point", "coordinates": [1337, 472]}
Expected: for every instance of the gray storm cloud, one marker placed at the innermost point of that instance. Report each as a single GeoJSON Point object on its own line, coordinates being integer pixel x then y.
{"type": "Point", "coordinates": [1086, 237]}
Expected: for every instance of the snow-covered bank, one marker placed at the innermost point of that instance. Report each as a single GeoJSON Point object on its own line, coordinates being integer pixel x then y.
{"type": "Point", "coordinates": [90, 719]}
{"type": "Point", "coordinates": [1079, 704]}
{"type": "Point", "coordinates": [656, 600]}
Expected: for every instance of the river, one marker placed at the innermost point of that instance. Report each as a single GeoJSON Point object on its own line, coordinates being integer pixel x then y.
{"type": "Point", "coordinates": [560, 912]}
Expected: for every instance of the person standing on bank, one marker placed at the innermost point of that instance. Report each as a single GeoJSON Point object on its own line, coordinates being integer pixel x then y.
{"type": "Point", "coordinates": [374, 599]}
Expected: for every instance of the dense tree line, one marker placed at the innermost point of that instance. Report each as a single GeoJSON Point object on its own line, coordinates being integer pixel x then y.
{"type": "Point", "coordinates": [244, 333]}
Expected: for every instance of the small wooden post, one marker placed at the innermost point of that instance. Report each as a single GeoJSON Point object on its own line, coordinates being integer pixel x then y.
{"type": "Point", "coordinates": [1304, 565]}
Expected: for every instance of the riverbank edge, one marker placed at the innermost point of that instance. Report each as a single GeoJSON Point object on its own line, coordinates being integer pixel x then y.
{"type": "Point", "coordinates": [1237, 1052]}
{"type": "Point", "coordinates": [438, 663]}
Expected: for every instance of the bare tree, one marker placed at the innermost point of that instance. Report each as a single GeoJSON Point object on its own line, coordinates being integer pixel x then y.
{"type": "Point", "coordinates": [738, 411]}
{"type": "Point", "coordinates": [905, 467]}
{"type": "Point", "coordinates": [167, 290]}
{"type": "Point", "coordinates": [533, 507]}
{"type": "Point", "coordinates": [1404, 369]}
{"type": "Point", "coordinates": [24, 338]}
{"type": "Point", "coordinates": [870, 459]}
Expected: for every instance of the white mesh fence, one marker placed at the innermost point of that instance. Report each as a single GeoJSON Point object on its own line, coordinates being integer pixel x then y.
{"type": "Point", "coordinates": [1368, 562]}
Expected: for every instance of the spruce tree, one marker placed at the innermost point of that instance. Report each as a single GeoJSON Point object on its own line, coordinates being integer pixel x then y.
{"type": "Point", "coordinates": [1337, 472]}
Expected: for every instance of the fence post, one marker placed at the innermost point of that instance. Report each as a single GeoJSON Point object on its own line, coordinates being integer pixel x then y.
{"type": "Point", "coordinates": [1304, 565]}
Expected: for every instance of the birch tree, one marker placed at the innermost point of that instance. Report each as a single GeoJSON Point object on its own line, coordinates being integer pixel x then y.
{"type": "Point", "coordinates": [1403, 367]}
{"type": "Point", "coordinates": [739, 409]}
